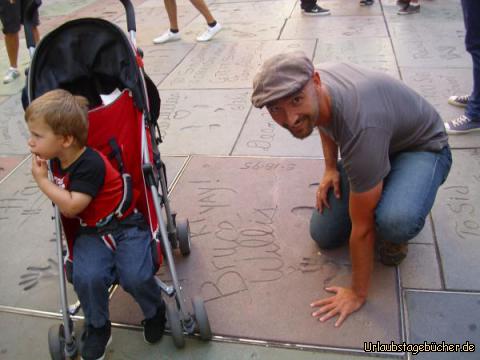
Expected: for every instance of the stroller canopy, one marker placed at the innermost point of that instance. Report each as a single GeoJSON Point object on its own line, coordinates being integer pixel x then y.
{"type": "Point", "coordinates": [87, 57]}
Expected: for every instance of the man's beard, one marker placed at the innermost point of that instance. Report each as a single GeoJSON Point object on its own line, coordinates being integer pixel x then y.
{"type": "Point", "coordinates": [306, 128]}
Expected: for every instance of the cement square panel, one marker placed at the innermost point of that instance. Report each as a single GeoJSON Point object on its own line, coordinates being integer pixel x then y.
{"type": "Point", "coordinates": [29, 276]}
{"type": "Point", "coordinates": [173, 165]}
{"type": "Point", "coordinates": [202, 121]}
{"type": "Point", "coordinates": [253, 260]}
{"type": "Point", "coordinates": [261, 136]}
{"type": "Point", "coordinates": [420, 269]}
{"type": "Point", "coordinates": [7, 164]}
{"type": "Point", "coordinates": [161, 60]}
{"type": "Point", "coordinates": [344, 7]}
{"type": "Point", "coordinates": [13, 130]}
{"type": "Point", "coordinates": [415, 45]}
{"type": "Point", "coordinates": [59, 7]}
{"type": "Point", "coordinates": [254, 11]}
{"type": "Point", "coordinates": [334, 27]}
{"type": "Point", "coordinates": [258, 30]}
{"type": "Point", "coordinates": [437, 85]}
{"type": "Point", "coordinates": [222, 65]}
{"type": "Point", "coordinates": [431, 11]}
{"type": "Point", "coordinates": [24, 337]}
{"type": "Point", "coordinates": [374, 53]}
{"type": "Point", "coordinates": [457, 223]}
{"type": "Point", "coordinates": [443, 317]}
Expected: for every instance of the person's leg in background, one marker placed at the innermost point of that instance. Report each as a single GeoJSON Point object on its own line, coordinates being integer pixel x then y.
{"type": "Point", "coordinates": [470, 120]}
{"type": "Point", "coordinates": [310, 7]}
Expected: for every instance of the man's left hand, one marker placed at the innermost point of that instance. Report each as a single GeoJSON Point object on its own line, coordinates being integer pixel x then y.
{"type": "Point", "coordinates": [343, 303]}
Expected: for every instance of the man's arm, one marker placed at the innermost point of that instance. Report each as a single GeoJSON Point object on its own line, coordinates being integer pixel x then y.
{"type": "Point", "coordinates": [331, 177]}
{"type": "Point", "coordinates": [362, 242]}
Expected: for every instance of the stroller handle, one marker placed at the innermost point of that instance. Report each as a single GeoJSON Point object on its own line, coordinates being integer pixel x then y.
{"type": "Point", "coordinates": [29, 10]}
{"type": "Point", "coordinates": [127, 4]}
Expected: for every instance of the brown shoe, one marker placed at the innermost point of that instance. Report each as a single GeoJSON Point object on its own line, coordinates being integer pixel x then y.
{"type": "Point", "coordinates": [392, 254]}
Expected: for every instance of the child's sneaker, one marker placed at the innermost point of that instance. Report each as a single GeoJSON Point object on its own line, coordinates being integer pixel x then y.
{"type": "Point", "coordinates": [462, 125]}
{"type": "Point", "coordinates": [210, 33]}
{"type": "Point", "coordinates": [167, 37]}
{"type": "Point", "coordinates": [153, 328]}
{"type": "Point", "coordinates": [409, 9]}
{"type": "Point", "coordinates": [96, 341]}
{"type": "Point", "coordinates": [392, 254]}
{"type": "Point", "coordinates": [11, 74]}
{"type": "Point", "coordinates": [316, 11]}
{"type": "Point", "coordinates": [459, 100]}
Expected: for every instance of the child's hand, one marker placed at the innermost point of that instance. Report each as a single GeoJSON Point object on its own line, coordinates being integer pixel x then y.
{"type": "Point", "coordinates": [39, 168]}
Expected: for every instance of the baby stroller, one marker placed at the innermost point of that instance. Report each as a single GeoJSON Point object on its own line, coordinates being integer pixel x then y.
{"type": "Point", "coordinates": [91, 57]}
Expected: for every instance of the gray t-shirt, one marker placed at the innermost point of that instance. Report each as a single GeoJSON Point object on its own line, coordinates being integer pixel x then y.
{"type": "Point", "coordinates": [375, 116]}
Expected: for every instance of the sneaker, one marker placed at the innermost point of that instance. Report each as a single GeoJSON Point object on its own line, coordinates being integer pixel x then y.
{"type": "Point", "coordinates": [459, 100]}
{"type": "Point", "coordinates": [392, 254]}
{"type": "Point", "coordinates": [95, 342]}
{"type": "Point", "coordinates": [316, 11]}
{"type": "Point", "coordinates": [462, 125]}
{"type": "Point", "coordinates": [11, 74]}
{"type": "Point", "coordinates": [366, 2]}
{"type": "Point", "coordinates": [153, 328]}
{"type": "Point", "coordinates": [167, 37]}
{"type": "Point", "coordinates": [409, 9]}
{"type": "Point", "coordinates": [210, 33]}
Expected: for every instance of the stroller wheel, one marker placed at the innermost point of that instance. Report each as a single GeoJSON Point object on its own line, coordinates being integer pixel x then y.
{"type": "Point", "coordinates": [202, 318]}
{"type": "Point", "coordinates": [183, 236]}
{"type": "Point", "coordinates": [175, 326]}
{"type": "Point", "coordinates": [56, 342]}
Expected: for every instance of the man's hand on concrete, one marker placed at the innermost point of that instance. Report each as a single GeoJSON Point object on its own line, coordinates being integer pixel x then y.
{"type": "Point", "coordinates": [343, 303]}
{"type": "Point", "coordinates": [331, 178]}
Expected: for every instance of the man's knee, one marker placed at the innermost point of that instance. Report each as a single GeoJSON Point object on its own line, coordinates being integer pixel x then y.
{"type": "Point", "coordinates": [89, 280]}
{"type": "Point", "coordinates": [399, 227]}
{"type": "Point", "coordinates": [326, 234]}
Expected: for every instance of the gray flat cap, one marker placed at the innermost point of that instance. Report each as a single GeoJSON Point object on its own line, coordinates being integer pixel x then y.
{"type": "Point", "coordinates": [281, 76]}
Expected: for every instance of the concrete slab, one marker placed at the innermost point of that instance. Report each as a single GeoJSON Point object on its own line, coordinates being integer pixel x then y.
{"type": "Point", "coordinates": [331, 27]}
{"type": "Point", "coordinates": [173, 165]}
{"type": "Point", "coordinates": [441, 11]}
{"type": "Point", "coordinates": [420, 269]}
{"type": "Point", "coordinates": [7, 164]}
{"type": "Point", "coordinates": [128, 344]}
{"type": "Point", "coordinates": [221, 65]}
{"type": "Point", "coordinates": [428, 314]}
{"type": "Point", "coordinates": [60, 8]}
{"type": "Point", "coordinates": [261, 136]}
{"type": "Point", "coordinates": [3, 99]}
{"type": "Point", "coordinates": [27, 245]}
{"type": "Point", "coordinates": [415, 45]}
{"type": "Point", "coordinates": [160, 60]}
{"type": "Point", "coordinates": [456, 222]}
{"type": "Point", "coordinates": [373, 53]}
{"type": "Point", "coordinates": [202, 122]}
{"type": "Point", "coordinates": [250, 247]}
{"type": "Point", "coordinates": [437, 85]}
{"type": "Point", "coordinates": [13, 130]}
{"type": "Point", "coordinates": [21, 334]}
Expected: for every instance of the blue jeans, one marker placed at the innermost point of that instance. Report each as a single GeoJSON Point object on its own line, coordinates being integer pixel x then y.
{"type": "Point", "coordinates": [471, 16]}
{"type": "Point", "coordinates": [408, 194]}
{"type": "Point", "coordinates": [96, 267]}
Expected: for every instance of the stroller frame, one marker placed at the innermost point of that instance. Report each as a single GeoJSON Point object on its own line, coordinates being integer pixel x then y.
{"type": "Point", "coordinates": [170, 235]}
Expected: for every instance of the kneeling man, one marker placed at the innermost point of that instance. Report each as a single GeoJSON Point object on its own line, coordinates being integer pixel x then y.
{"type": "Point", "coordinates": [394, 156]}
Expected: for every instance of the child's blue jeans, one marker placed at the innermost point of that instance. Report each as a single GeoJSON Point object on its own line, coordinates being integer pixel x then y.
{"type": "Point", "coordinates": [96, 267]}
{"type": "Point", "coordinates": [409, 191]}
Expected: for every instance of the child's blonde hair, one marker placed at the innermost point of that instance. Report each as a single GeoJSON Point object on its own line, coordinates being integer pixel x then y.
{"type": "Point", "coordinates": [63, 112]}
